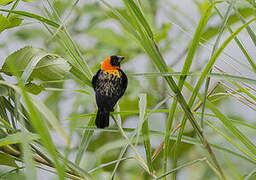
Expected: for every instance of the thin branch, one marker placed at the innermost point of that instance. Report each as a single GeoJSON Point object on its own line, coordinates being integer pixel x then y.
{"type": "Point", "coordinates": [158, 150]}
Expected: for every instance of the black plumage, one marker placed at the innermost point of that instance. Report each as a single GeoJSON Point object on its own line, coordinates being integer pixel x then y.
{"type": "Point", "coordinates": [109, 87]}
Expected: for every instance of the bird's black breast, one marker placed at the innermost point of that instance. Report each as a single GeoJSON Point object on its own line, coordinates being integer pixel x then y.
{"type": "Point", "coordinates": [109, 87]}
{"type": "Point", "coordinates": [108, 84]}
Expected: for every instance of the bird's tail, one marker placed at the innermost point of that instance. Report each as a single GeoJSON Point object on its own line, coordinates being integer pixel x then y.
{"type": "Point", "coordinates": [102, 119]}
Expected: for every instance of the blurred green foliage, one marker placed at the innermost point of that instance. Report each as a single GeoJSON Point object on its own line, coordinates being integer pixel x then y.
{"type": "Point", "coordinates": [52, 48]}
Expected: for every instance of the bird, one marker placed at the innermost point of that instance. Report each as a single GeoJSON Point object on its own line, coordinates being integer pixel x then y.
{"type": "Point", "coordinates": [109, 84]}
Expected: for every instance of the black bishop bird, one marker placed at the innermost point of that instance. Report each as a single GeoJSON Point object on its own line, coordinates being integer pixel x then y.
{"type": "Point", "coordinates": [109, 84]}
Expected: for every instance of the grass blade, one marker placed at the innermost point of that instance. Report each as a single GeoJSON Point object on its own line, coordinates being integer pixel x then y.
{"type": "Point", "coordinates": [79, 59]}
{"type": "Point", "coordinates": [188, 61]}
{"type": "Point", "coordinates": [124, 22]}
{"type": "Point", "coordinates": [190, 140]}
{"type": "Point", "coordinates": [137, 155]}
{"type": "Point", "coordinates": [248, 28]}
{"type": "Point", "coordinates": [212, 75]}
{"type": "Point", "coordinates": [240, 45]}
{"type": "Point", "coordinates": [142, 114]}
{"type": "Point", "coordinates": [143, 126]}
{"type": "Point", "coordinates": [180, 167]}
{"type": "Point", "coordinates": [87, 135]}
{"type": "Point", "coordinates": [153, 51]}
{"type": "Point", "coordinates": [30, 170]}
{"type": "Point", "coordinates": [139, 17]}
{"type": "Point", "coordinates": [251, 174]}
{"type": "Point", "coordinates": [40, 127]}
{"type": "Point", "coordinates": [48, 114]}
{"type": "Point", "coordinates": [207, 69]}
{"type": "Point", "coordinates": [33, 16]}
{"type": "Point", "coordinates": [147, 146]}
{"type": "Point", "coordinates": [17, 138]}
{"type": "Point", "coordinates": [216, 44]}
{"type": "Point", "coordinates": [119, 160]}
{"type": "Point", "coordinates": [231, 141]}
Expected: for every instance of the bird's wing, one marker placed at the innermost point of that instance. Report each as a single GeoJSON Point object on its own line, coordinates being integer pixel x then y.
{"type": "Point", "coordinates": [124, 82]}
{"type": "Point", "coordinates": [94, 79]}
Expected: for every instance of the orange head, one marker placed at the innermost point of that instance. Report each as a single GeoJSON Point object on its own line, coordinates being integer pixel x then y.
{"type": "Point", "coordinates": [111, 63]}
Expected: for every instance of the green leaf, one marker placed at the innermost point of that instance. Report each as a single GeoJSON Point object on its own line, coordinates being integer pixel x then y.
{"type": "Point", "coordinates": [51, 118]}
{"type": "Point", "coordinates": [45, 111]}
{"type": "Point", "coordinates": [7, 23]}
{"type": "Point", "coordinates": [30, 170]}
{"type": "Point", "coordinates": [3, 91]}
{"type": "Point", "coordinates": [42, 129]}
{"type": "Point", "coordinates": [33, 88]}
{"type": "Point", "coordinates": [3, 113]}
{"type": "Point", "coordinates": [7, 160]}
{"type": "Point", "coordinates": [67, 90]}
{"type": "Point", "coordinates": [139, 16]}
{"type": "Point", "coordinates": [5, 124]}
{"type": "Point", "coordinates": [6, 2]}
{"type": "Point", "coordinates": [81, 91]}
{"type": "Point", "coordinates": [33, 16]}
{"type": "Point", "coordinates": [81, 76]}
{"type": "Point", "coordinates": [33, 63]}
{"type": "Point", "coordinates": [17, 138]}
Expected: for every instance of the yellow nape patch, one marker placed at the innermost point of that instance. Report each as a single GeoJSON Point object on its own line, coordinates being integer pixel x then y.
{"type": "Point", "coordinates": [106, 65]}
{"type": "Point", "coordinates": [114, 72]}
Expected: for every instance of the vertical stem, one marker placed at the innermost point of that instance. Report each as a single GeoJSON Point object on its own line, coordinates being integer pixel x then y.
{"type": "Point", "coordinates": [13, 7]}
{"type": "Point", "coordinates": [224, 22]}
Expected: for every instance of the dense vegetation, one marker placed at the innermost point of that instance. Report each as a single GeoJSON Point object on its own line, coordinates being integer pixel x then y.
{"type": "Point", "coordinates": [189, 110]}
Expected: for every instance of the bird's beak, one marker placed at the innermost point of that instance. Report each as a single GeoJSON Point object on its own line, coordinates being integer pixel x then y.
{"type": "Point", "coordinates": [120, 58]}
